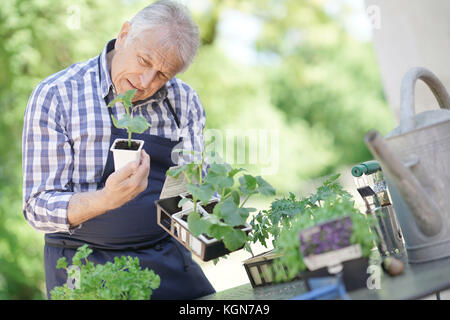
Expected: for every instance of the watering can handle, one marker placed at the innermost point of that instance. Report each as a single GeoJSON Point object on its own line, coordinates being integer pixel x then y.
{"type": "Point", "coordinates": [407, 108]}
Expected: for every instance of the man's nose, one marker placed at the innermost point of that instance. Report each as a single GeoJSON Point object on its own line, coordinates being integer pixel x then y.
{"type": "Point", "coordinates": [147, 77]}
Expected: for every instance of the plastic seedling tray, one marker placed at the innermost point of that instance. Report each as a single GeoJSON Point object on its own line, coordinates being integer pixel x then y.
{"type": "Point", "coordinates": [170, 218]}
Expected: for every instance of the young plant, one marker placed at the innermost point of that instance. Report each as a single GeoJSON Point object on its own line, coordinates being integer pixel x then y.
{"type": "Point", "coordinates": [230, 212]}
{"type": "Point", "coordinates": [136, 124]}
{"type": "Point", "coordinates": [122, 280]}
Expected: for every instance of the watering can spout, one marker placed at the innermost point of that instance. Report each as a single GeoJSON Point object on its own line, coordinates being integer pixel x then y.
{"type": "Point", "coordinates": [424, 210]}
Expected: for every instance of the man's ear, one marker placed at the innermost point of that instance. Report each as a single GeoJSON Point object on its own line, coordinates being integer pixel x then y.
{"type": "Point", "coordinates": [123, 34]}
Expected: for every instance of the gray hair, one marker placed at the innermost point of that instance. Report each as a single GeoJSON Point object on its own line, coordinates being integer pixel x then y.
{"type": "Point", "coordinates": [180, 31]}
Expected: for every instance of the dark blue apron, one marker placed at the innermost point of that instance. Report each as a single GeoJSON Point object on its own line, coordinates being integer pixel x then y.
{"type": "Point", "coordinates": [132, 230]}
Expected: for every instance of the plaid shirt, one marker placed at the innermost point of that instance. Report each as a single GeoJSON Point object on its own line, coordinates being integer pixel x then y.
{"type": "Point", "coordinates": [66, 135]}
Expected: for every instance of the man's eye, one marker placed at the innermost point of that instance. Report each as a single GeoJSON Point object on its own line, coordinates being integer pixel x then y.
{"type": "Point", "coordinates": [142, 61]}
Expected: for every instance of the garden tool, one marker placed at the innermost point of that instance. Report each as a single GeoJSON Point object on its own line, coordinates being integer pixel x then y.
{"type": "Point", "coordinates": [386, 216]}
{"type": "Point", "coordinates": [365, 191]}
{"type": "Point", "coordinates": [369, 197]}
{"type": "Point", "coordinates": [415, 160]}
{"type": "Point", "coordinates": [389, 233]}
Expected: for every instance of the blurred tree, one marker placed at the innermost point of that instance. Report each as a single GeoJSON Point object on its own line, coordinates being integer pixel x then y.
{"type": "Point", "coordinates": [325, 83]}
{"type": "Point", "coordinates": [325, 77]}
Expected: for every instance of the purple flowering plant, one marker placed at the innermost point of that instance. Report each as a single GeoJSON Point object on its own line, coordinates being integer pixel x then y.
{"type": "Point", "coordinates": [329, 236]}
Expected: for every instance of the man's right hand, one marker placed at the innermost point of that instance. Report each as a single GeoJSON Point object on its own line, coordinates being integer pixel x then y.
{"type": "Point", "coordinates": [120, 187]}
{"type": "Point", "coordinates": [125, 184]}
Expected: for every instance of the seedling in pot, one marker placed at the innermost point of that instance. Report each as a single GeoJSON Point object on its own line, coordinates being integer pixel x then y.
{"type": "Point", "coordinates": [126, 151]}
{"type": "Point", "coordinates": [136, 124]}
{"type": "Point", "coordinates": [229, 214]}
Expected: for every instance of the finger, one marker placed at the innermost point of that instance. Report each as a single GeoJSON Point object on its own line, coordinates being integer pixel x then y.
{"type": "Point", "coordinates": [144, 156]}
{"type": "Point", "coordinates": [142, 171]}
{"type": "Point", "coordinates": [127, 171]}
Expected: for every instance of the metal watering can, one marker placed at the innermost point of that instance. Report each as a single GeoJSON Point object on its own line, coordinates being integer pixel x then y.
{"type": "Point", "coordinates": [415, 158]}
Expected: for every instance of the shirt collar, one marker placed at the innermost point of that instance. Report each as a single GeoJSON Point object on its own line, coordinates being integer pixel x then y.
{"type": "Point", "coordinates": [106, 84]}
{"type": "Point", "coordinates": [104, 75]}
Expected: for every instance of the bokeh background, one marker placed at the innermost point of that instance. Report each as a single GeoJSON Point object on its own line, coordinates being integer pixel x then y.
{"type": "Point", "coordinates": [306, 68]}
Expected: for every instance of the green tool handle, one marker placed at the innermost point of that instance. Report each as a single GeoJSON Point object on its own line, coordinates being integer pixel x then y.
{"type": "Point", "coordinates": [367, 167]}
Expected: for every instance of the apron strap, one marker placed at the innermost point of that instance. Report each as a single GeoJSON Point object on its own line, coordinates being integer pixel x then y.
{"type": "Point", "coordinates": [172, 111]}
{"type": "Point", "coordinates": [75, 244]}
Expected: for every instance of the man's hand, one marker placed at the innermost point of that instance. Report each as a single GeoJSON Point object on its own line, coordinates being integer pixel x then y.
{"type": "Point", "coordinates": [120, 187]}
{"type": "Point", "coordinates": [126, 183]}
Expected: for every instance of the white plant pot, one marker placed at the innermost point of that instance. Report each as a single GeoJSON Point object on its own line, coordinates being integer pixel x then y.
{"type": "Point", "coordinates": [180, 230]}
{"type": "Point", "coordinates": [194, 243]}
{"type": "Point", "coordinates": [122, 157]}
{"type": "Point", "coordinates": [187, 205]}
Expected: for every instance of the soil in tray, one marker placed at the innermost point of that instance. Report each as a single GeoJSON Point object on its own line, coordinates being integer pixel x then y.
{"type": "Point", "coordinates": [209, 207]}
{"type": "Point", "coordinates": [123, 145]}
{"type": "Point", "coordinates": [170, 205]}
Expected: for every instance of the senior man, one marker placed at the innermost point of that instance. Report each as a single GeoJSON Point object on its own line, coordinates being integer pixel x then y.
{"type": "Point", "coordinates": [71, 191]}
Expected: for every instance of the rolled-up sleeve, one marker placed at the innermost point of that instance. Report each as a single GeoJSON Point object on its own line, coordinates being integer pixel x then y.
{"type": "Point", "coordinates": [47, 162]}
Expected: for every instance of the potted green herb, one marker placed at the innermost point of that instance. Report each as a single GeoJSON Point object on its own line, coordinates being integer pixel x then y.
{"type": "Point", "coordinates": [288, 216]}
{"type": "Point", "coordinates": [270, 223]}
{"type": "Point", "coordinates": [210, 227]}
{"type": "Point", "coordinates": [126, 151]}
{"type": "Point", "coordinates": [122, 279]}
{"type": "Point", "coordinates": [291, 262]}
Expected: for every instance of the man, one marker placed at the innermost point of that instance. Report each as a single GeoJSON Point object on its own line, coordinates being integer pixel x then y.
{"type": "Point", "coordinates": [71, 191]}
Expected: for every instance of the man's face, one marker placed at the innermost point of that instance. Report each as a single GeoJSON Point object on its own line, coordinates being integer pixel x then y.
{"type": "Point", "coordinates": [145, 63]}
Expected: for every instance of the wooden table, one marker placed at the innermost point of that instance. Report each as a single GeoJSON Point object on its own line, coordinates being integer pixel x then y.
{"type": "Point", "coordinates": [417, 281]}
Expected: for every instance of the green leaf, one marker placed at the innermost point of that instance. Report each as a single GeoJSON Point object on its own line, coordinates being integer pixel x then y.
{"type": "Point", "coordinates": [138, 124]}
{"type": "Point", "coordinates": [62, 263]}
{"type": "Point", "coordinates": [218, 230]}
{"type": "Point", "coordinates": [128, 96]}
{"type": "Point", "coordinates": [234, 239]}
{"type": "Point", "coordinates": [232, 214]}
{"type": "Point", "coordinates": [175, 172]}
{"type": "Point", "coordinates": [203, 193]}
{"type": "Point", "coordinates": [196, 224]}
{"type": "Point", "coordinates": [220, 169]}
{"type": "Point", "coordinates": [219, 181]}
{"type": "Point", "coordinates": [248, 184]}
{"type": "Point", "coordinates": [236, 197]}
{"type": "Point", "coordinates": [183, 201]}
{"type": "Point", "coordinates": [233, 172]}
{"type": "Point", "coordinates": [124, 122]}
{"type": "Point", "coordinates": [332, 179]}
{"type": "Point", "coordinates": [264, 187]}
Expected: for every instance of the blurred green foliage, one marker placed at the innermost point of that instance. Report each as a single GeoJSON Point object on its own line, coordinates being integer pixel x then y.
{"type": "Point", "coordinates": [317, 86]}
